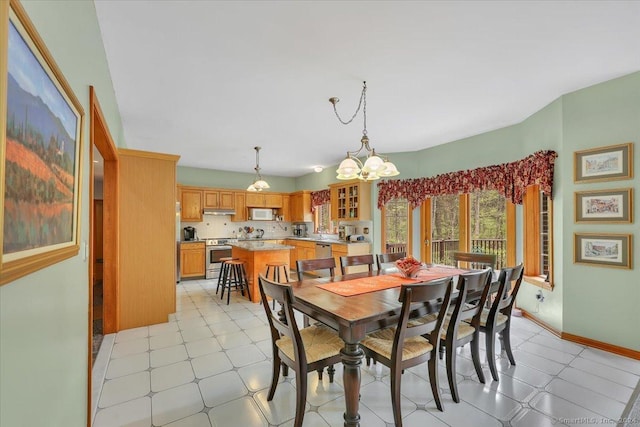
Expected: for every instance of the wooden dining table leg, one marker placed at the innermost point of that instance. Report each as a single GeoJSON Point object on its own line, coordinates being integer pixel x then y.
{"type": "Point", "coordinates": [352, 356]}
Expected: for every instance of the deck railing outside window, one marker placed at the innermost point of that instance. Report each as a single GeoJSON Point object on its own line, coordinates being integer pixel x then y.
{"type": "Point", "coordinates": [442, 250]}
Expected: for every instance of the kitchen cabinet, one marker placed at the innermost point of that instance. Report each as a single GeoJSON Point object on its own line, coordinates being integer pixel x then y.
{"type": "Point", "coordinates": [190, 204]}
{"type": "Point", "coordinates": [218, 199]}
{"type": "Point", "coordinates": [240, 207]}
{"type": "Point", "coordinates": [303, 250]}
{"type": "Point", "coordinates": [300, 206]}
{"type": "Point", "coordinates": [350, 249]}
{"type": "Point", "coordinates": [263, 200]}
{"type": "Point", "coordinates": [192, 260]}
{"type": "Point", "coordinates": [351, 201]}
{"type": "Point", "coordinates": [285, 211]}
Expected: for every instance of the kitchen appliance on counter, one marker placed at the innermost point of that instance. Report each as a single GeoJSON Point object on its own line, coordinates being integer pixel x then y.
{"type": "Point", "coordinates": [258, 214]}
{"type": "Point", "coordinates": [215, 249]}
{"type": "Point", "coordinates": [299, 229]}
{"type": "Point", "coordinates": [189, 234]}
{"type": "Point", "coordinates": [259, 233]}
{"type": "Point", "coordinates": [344, 231]}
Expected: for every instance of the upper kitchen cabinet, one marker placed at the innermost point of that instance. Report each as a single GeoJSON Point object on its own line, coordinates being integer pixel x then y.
{"type": "Point", "coordinates": [263, 200]}
{"type": "Point", "coordinates": [190, 204]}
{"type": "Point", "coordinates": [351, 201]}
{"type": "Point", "coordinates": [219, 199]}
{"type": "Point", "coordinates": [300, 206]}
{"type": "Point", "coordinates": [240, 206]}
{"type": "Point", "coordinates": [147, 233]}
{"type": "Point", "coordinates": [285, 211]}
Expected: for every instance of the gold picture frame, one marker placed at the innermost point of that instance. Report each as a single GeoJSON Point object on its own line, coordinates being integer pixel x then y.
{"type": "Point", "coordinates": [613, 162]}
{"type": "Point", "coordinates": [604, 206]}
{"type": "Point", "coordinates": [41, 135]}
{"type": "Point", "coordinates": [603, 249]}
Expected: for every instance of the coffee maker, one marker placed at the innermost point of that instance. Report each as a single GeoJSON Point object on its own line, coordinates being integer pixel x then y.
{"type": "Point", "coordinates": [299, 229]}
{"type": "Point", "coordinates": [189, 233]}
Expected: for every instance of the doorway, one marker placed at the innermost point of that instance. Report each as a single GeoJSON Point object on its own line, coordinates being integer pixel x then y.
{"type": "Point", "coordinates": [103, 235]}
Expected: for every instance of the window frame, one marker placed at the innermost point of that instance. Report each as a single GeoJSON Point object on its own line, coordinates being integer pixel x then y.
{"type": "Point", "coordinates": [316, 218]}
{"type": "Point", "coordinates": [532, 251]}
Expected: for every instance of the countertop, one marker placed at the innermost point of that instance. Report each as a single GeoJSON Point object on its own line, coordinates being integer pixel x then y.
{"type": "Point", "coordinates": [257, 245]}
{"type": "Point", "coordinates": [318, 240]}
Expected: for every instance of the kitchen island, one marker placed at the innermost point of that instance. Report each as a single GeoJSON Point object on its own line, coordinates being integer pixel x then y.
{"type": "Point", "coordinates": [257, 254]}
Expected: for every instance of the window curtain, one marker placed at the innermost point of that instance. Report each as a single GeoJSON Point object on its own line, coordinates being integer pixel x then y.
{"type": "Point", "coordinates": [319, 198]}
{"type": "Point", "coordinates": [509, 179]}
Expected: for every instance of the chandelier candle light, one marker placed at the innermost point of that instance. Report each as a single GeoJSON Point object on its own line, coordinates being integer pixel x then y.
{"type": "Point", "coordinates": [374, 167]}
{"type": "Point", "coordinates": [259, 184]}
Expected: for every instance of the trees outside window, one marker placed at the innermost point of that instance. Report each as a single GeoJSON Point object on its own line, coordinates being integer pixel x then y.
{"type": "Point", "coordinates": [396, 226]}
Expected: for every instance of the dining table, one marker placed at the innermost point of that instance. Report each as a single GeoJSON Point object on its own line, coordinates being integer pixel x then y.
{"type": "Point", "coordinates": [354, 305]}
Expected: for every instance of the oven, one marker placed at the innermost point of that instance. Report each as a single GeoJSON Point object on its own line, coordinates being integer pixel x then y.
{"type": "Point", "coordinates": [215, 250]}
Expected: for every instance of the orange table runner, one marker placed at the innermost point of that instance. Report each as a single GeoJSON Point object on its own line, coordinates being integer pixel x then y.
{"type": "Point", "coordinates": [364, 285]}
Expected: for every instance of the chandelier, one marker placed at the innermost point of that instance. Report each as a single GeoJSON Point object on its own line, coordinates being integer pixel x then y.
{"type": "Point", "coordinates": [259, 184]}
{"type": "Point", "coordinates": [374, 166]}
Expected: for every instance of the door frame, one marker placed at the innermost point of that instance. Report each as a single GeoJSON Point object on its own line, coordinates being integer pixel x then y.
{"type": "Point", "coordinates": [100, 138]}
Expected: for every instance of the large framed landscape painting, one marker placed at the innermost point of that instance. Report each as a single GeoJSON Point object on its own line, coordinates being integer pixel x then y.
{"type": "Point", "coordinates": [41, 125]}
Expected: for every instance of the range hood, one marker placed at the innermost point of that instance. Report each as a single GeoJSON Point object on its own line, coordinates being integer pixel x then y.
{"type": "Point", "coordinates": [212, 211]}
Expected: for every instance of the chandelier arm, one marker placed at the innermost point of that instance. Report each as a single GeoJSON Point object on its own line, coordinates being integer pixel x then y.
{"type": "Point", "coordinates": [363, 96]}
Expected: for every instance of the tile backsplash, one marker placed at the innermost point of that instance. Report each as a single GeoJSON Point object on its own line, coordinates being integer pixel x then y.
{"type": "Point", "coordinates": [222, 226]}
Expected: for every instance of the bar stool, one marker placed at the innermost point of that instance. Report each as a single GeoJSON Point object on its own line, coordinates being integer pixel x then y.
{"type": "Point", "coordinates": [237, 276]}
{"type": "Point", "coordinates": [224, 271]}
{"type": "Point", "coordinates": [276, 273]}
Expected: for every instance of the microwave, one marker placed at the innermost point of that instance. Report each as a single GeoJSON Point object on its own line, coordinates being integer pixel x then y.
{"type": "Point", "coordinates": [256, 214]}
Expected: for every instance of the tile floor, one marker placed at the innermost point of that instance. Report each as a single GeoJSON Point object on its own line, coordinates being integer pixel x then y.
{"type": "Point", "coordinates": [210, 367]}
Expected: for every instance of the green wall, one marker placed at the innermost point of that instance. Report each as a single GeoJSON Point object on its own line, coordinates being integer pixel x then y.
{"type": "Point", "coordinates": [44, 316]}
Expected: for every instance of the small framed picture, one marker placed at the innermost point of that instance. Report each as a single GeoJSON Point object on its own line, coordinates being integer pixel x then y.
{"type": "Point", "coordinates": [605, 250]}
{"type": "Point", "coordinates": [603, 164]}
{"type": "Point", "coordinates": [604, 206]}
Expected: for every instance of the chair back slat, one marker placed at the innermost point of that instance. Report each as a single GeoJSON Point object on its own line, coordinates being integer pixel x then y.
{"type": "Point", "coordinates": [389, 258]}
{"type": "Point", "coordinates": [354, 260]}
{"type": "Point", "coordinates": [475, 260]}
{"type": "Point", "coordinates": [303, 265]}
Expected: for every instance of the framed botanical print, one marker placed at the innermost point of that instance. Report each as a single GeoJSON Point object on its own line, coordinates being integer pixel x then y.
{"type": "Point", "coordinates": [41, 132]}
{"type": "Point", "coordinates": [603, 163]}
{"type": "Point", "coordinates": [604, 206]}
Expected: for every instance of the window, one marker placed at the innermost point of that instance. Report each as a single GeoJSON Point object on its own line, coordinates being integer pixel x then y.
{"type": "Point", "coordinates": [482, 222]}
{"type": "Point", "coordinates": [396, 226]}
{"type": "Point", "coordinates": [322, 218]}
{"type": "Point", "coordinates": [538, 237]}
{"type": "Point", "coordinates": [445, 228]}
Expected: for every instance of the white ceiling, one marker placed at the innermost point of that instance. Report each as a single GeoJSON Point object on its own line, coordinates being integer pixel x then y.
{"type": "Point", "coordinates": [209, 80]}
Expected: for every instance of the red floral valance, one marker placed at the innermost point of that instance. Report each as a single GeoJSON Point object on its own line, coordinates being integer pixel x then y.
{"type": "Point", "coordinates": [319, 198]}
{"type": "Point", "coordinates": [510, 179]}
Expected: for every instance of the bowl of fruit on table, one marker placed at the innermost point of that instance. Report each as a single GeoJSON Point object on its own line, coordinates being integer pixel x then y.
{"type": "Point", "coordinates": [409, 267]}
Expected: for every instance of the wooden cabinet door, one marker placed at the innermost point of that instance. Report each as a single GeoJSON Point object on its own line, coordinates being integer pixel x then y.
{"type": "Point", "coordinates": [272, 201]}
{"type": "Point", "coordinates": [226, 200]}
{"type": "Point", "coordinates": [285, 211]}
{"type": "Point", "coordinates": [240, 207]}
{"type": "Point", "coordinates": [254, 200]}
{"type": "Point", "coordinates": [191, 205]}
{"type": "Point", "coordinates": [211, 199]}
{"type": "Point", "coordinates": [192, 261]}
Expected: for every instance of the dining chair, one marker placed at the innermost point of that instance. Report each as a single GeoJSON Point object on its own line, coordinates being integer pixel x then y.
{"type": "Point", "coordinates": [353, 260]}
{"type": "Point", "coordinates": [303, 265]}
{"type": "Point", "coordinates": [389, 258]}
{"type": "Point", "coordinates": [475, 260]}
{"type": "Point", "coordinates": [409, 343]}
{"type": "Point", "coordinates": [462, 326]}
{"type": "Point", "coordinates": [497, 319]}
{"type": "Point", "coordinates": [303, 350]}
